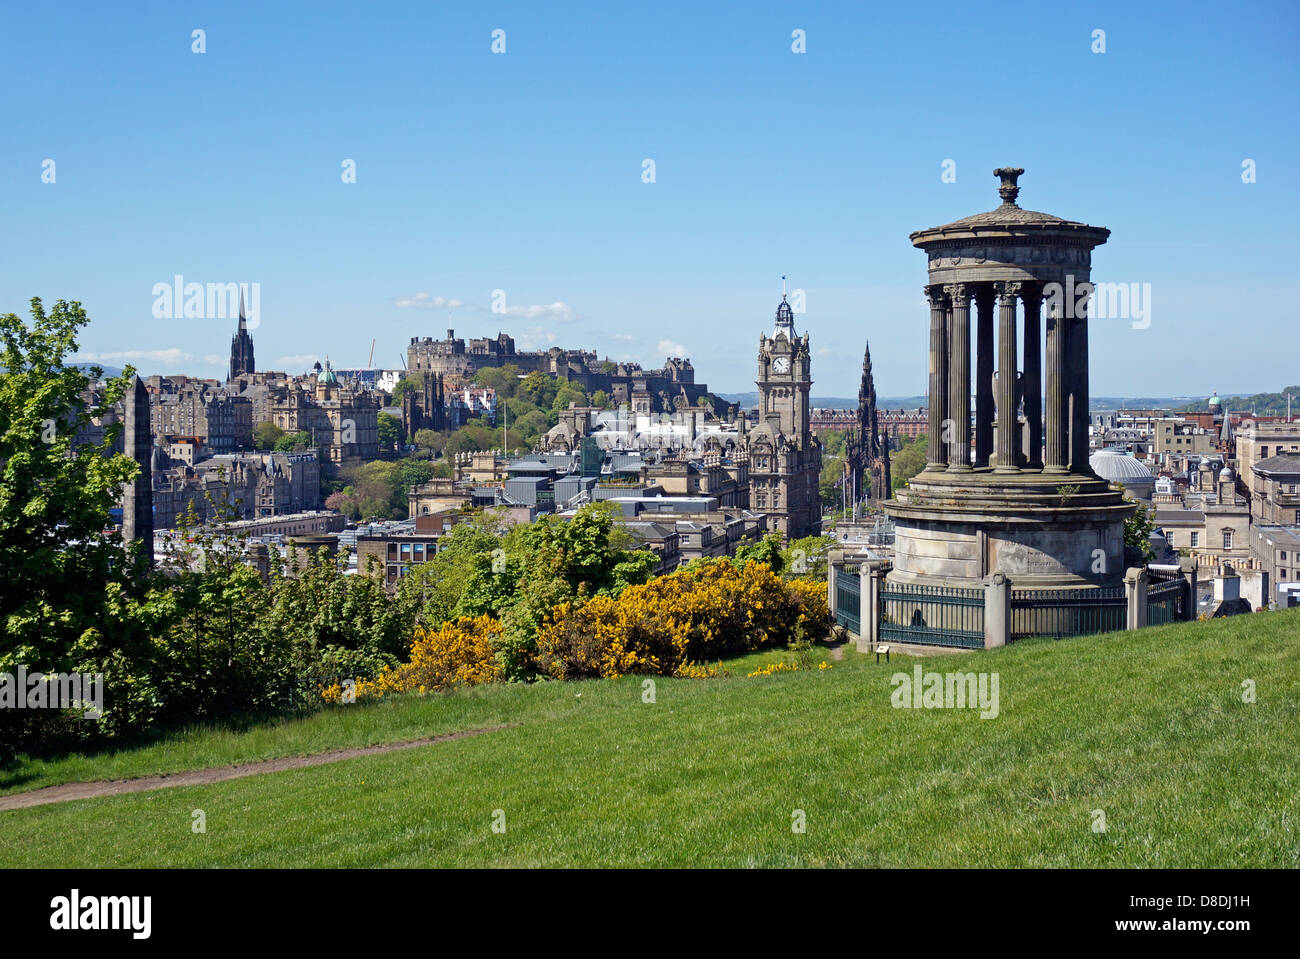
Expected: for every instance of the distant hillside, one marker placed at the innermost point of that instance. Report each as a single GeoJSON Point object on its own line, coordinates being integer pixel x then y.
{"type": "Point", "coordinates": [1265, 404]}
{"type": "Point", "coordinates": [834, 402]}
{"type": "Point", "coordinates": [109, 371]}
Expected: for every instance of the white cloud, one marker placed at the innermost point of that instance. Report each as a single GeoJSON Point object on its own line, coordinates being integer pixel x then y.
{"type": "Point", "coordinates": [302, 360]}
{"type": "Point", "coordinates": [824, 351]}
{"type": "Point", "coordinates": [172, 355]}
{"type": "Point", "coordinates": [561, 312]}
{"type": "Point", "coordinates": [625, 337]}
{"type": "Point", "coordinates": [427, 301]}
{"type": "Point", "coordinates": [536, 338]}
{"type": "Point", "coordinates": [669, 348]}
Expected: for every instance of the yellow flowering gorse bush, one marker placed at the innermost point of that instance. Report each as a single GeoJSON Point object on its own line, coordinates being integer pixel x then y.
{"type": "Point", "coordinates": [703, 612]}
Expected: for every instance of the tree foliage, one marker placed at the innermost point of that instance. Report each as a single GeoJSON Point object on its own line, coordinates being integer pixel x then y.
{"type": "Point", "coordinates": [61, 568]}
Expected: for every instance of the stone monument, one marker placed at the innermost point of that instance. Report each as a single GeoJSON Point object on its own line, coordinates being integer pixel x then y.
{"type": "Point", "coordinates": [1022, 499]}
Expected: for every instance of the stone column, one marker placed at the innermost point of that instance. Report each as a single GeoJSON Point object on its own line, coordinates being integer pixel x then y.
{"type": "Point", "coordinates": [1033, 300]}
{"type": "Point", "coordinates": [1187, 566]}
{"type": "Point", "coordinates": [1008, 293]}
{"type": "Point", "coordinates": [1056, 454]}
{"type": "Point", "coordinates": [997, 611]}
{"type": "Point", "coordinates": [959, 378]}
{"type": "Point", "coordinates": [1135, 591]}
{"type": "Point", "coordinates": [984, 374]}
{"type": "Point", "coordinates": [1078, 359]}
{"type": "Point", "coordinates": [937, 455]}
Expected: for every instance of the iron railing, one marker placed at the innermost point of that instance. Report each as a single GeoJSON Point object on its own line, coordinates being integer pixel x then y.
{"type": "Point", "coordinates": [1167, 601]}
{"type": "Point", "coordinates": [1068, 612]}
{"type": "Point", "coordinates": [932, 616]}
{"type": "Point", "coordinates": [848, 600]}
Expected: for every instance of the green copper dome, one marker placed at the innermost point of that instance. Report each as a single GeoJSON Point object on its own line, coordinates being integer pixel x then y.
{"type": "Point", "coordinates": [327, 375]}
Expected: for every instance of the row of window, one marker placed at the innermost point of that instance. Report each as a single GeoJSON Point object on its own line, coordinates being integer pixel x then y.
{"type": "Point", "coordinates": [1227, 539]}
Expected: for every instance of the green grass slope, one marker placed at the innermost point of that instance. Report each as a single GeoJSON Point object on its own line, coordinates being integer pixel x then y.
{"type": "Point", "coordinates": [1149, 728]}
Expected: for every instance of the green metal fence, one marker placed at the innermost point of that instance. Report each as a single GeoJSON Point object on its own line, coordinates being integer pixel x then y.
{"type": "Point", "coordinates": [1167, 601]}
{"type": "Point", "coordinates": [1067, 612]}
{"type": "Point", "coordinates": [932, 616]}
{"type": "Point", "coordinates": [848, 599]}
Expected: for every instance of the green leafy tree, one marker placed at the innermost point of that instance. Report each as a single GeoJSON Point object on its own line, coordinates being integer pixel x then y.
{"type": "Point", "coordinates": [430, 440]}
{"type": "Point", "coordinates": [389, 430]}
{"type": "Point", "coordinates": [767, 551]}
{"type": "Point", "coordinates": [833, 442]}
{"type": "Point", "coordinates": [538, 389]}
{"type": "Point", "coordinates": [806, 558]}
{"type": "Point", "coordinates": [600, 399]}
{"type": "Point", "coordinates": [55, 495]}
{"type": "Point", "coordinates": [566, 394]}
{"type": "Point", "coordinates": [266, 435]}
{"type": "Point", "coordinates": [1137, 532]}
{"type": "Point", "coordinates": [298, 442]}
{"type": "Point", "coordinates": [830, 480]}
{"type": "Point", "coordinates": [411, 380]}
{"type": "Point", "coordinates": [908, 461]}
{"type": "Point", "coordinates": [503, 379]}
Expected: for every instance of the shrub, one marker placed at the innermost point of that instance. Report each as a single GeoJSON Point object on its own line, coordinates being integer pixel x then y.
{"type": "Point", "coordinates": [709, 610]}
{"type": "Point", "coordinates": [461, 652]}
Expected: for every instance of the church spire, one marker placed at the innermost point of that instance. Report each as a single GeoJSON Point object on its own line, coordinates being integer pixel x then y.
{"type": "Point", "coordinates": [241, 345]}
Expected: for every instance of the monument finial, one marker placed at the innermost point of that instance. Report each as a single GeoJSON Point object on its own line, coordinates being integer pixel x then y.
{"type": "Point", "coordinates": [1009, 190]}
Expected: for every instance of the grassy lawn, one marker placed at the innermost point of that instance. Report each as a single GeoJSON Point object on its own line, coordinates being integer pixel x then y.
{"type": "Point", "coordinates": [1149, 728]}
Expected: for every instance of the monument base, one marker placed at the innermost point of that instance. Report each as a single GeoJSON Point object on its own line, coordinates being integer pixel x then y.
{"type": "Point", "coordinates": [1042, 530]}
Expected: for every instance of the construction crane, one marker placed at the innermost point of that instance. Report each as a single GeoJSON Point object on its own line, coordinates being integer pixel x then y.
{"type": "Point", "coordinates": [370, 364]}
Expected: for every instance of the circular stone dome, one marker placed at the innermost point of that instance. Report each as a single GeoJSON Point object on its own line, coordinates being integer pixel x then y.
{"type": "Point", "coordinates": [1118, 467]}
{"type": "Point", "coordinates": [1214, 400]}
{"type": "Point", "coordinates": [1226, 474]}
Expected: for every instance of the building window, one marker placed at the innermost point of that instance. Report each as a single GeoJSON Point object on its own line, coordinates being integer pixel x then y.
{"type": "Point", "coordinates": [1263, 452]}
{"type": "Point", "coordinates": [1227, 539]}
{"type": "Point", "coordinates": [1196, 540]}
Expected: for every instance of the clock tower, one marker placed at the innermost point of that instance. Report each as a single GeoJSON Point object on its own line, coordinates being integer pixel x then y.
{"type": "Point", "coordinates": [785, 459]}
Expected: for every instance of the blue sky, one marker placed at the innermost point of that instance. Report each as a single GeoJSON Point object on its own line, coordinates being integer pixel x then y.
{"type": "Point", "coordinates": [522, 172]}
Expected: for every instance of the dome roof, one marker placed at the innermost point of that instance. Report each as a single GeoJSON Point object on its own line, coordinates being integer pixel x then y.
{"type": "Point", "coordinates": [1214, 400]}
{"type": "Point", "coordinates": [1119, 467]}
{"type": "Point", "coordinates": [327, 375]}
{"type": "Point", "coordinates": [1226, 474]}
{"type": "Point", "coordinates": [1011, 217]}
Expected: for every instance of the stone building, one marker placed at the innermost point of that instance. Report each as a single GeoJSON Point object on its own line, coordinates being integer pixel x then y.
{"type": "Point", "coordinates": [1257, 440]}
{"type": "Point", "coordinates": [184, 406]}
{"type": "Point", "coordinates": [785, 459]}
{"type": "Point", "coordinates": [245, 485]}
{"type": "Point", "coordinates": [424, 409]}
{"type": "Point", "coordinates": [342, 420]}
{"type": "Point", "coordinates": [1177, 436]}
{"type": "Point", "coordinates": [1272, 486]}
{"type": "Point", "coordinates": [692, 451]}
{"type": "Point", "coordinates": [671, 388]}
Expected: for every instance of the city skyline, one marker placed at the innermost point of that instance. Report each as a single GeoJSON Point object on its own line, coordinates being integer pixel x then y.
{"type": "Point", "coordinates": [228, 166]}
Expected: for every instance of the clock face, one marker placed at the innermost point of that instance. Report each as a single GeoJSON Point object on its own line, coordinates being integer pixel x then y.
{"type": "Point", "coordinates": [781, 364]}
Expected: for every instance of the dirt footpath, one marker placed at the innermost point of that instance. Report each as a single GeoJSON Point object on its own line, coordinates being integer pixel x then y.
{"type": "Point", "coordinates": [216, 774]}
